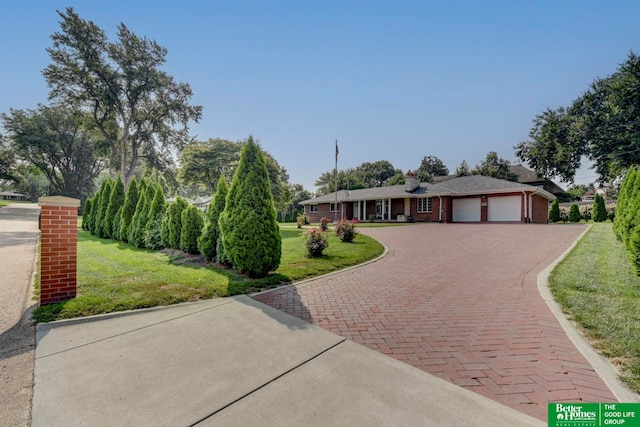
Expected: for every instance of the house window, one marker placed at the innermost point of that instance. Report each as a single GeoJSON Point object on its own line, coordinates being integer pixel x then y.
{"type": "Point", "coordinates": [313, 208]}
{"type": "Point", "coordinates": [425, 204]}
{"type": "Point", "coordinates": [334, 207]}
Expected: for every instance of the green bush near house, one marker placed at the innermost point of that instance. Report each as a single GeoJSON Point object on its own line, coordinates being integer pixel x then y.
{"type": "Point", "coordinates": [192, 222]}
{"type": "Point", "coordinates": [554, 213]}
{"type": "Point", "coordinates": [574, 213]}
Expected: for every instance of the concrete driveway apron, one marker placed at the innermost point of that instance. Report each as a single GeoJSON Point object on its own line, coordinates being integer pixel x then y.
{"type": "Point", "coordinates": [459, 301]}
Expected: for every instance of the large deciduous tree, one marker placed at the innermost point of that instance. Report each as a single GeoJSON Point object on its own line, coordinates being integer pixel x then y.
{"type": "Point", "coordinates": [54, 139]}
{"type": "Point", "coordinates": [204, 162]}
{"type": "Point", "coordinates": [602, 124]}
{"type": "Point", "coordinates": [495, 167]}
{"type": "Point", "coordinates": [139, 108]}
{"type": "Point", "coordinates": [429, 167]}
{"type": "Point", "coordinates": [250, 233]}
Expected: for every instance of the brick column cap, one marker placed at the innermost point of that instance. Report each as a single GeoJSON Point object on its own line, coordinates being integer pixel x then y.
{"type": "Point", "coordinates": [58, 201]}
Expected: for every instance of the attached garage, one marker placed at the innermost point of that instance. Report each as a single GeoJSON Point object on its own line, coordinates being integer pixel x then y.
{"type": "Point", "coordinates": [466, 210]}
{"type": "Point", "coordinates": [506, 208]}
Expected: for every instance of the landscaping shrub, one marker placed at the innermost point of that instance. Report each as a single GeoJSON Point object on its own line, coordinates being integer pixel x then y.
{"type": "Point", "coordinates": [164, 226]}
{"type": "Point", "coordinates": [192, 222]}
{"type": "Point", "coordinates": [574, 213]}
{"type": "Point", "coordinates": [116, 200]}
{"type": "Point", "coordinates": [128, 209]}
{"type": "Point", "coordinates": [250, 232]}
{"type": "Point", "coordinates": [585, 212]}
{"type": "Point", "coordinates": [315, 241]}
{"type": "Point", "coordinates": [140, 218]}
{"type": "Point", "coordinates": [86, 215]}
{"type": "Point", "coordinates": [372, 218]}
{"type": "Point", "coordinates": [208, 242]}
{"type": "Point", "coordinates": [554, 213]}
{"type": "Point", "coordinates": [324, 223]}
{"type": "Point", "coordinates": [117, 224]}
{"type": "Point", "coordinates": [102, 223]}
{"type": "Point", "coordinates": [346, 230]}
{"type": "Point", "coordinates": [175, 222]}
{"type": "Point", "coordinates": [634, 248]}
{"type": "Point", "coordinates": [599, 209]}
{"type": "Point", "coordinates": [152, 229]}
{"type": "Point", "coordinates": [301, 220]}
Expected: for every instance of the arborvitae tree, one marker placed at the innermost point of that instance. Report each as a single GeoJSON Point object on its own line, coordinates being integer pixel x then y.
{"type": "Point", "coordinates": [97, 202]}
{"type": "Point", "coordinates": [574, 213]}
{"type": "Point", "coordinates": [86, 215]}
{"type": "Point", "coordinates": [208, 241]}
{"type": "Point", "coordinates": [164, 226]}
{"type": "Point", "coordinates": [152, 230]}
{"type": "Point", "coordinates": [554, 214]}
{"type": "Point", "coordinates": [103, 224]}
{"type": "Point", "coordinates": [117, 224]}
{"type": "Point", "coordinates": [175, 222]}
{"type": "Point", "coordinates": [250, 232]}
{"type": "Point", "coordinates": [116, 200]}
{"type": "Point", "coordinates": [599, 210]}
{"type": "Point", "coordinates": [634, 248]}
{"type": "Point", "coordinates": [192, 222]}
{"type": "Point", "coordinates": [139, 221]}
{"type": "Point", "coordinates": [128, 209]}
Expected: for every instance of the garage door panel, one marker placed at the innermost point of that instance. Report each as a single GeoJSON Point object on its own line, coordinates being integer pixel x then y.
{"type": "Point", "coordinates": [466, 210]}
{"type": "Point", "coordinates": [505, 208]}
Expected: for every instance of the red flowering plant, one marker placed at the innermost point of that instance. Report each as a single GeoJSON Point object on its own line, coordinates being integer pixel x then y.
{"type": "Point", "coordinates": [316, 241]}
{"type": "Point", "coordinates": [324, 223]}
{"type": "Point", "coordinates": [346, 230]}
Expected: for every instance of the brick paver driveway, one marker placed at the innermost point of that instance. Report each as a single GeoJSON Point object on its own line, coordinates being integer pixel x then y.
{"type": "Point", "coordinates": [459, 301]}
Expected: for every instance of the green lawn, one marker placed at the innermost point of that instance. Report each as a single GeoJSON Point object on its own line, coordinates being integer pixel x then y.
{"type": "Point", "coordinates": [115, 276]}
{"type": "Point", "coordinates": [599, 289]}
{"type": "Point", "coordinates": [4, 203]}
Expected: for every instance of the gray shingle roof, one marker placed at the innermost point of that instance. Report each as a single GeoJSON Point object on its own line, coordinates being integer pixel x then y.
{"type": "Point", "coordinates": [462, 186]}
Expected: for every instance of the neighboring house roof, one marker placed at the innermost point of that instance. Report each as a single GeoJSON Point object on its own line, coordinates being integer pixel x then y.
{"type": "Point", "coordinates": [11, 193]}
{"type": "Point", "coordinates": [527, 176]}
{"type": "Point", "coordinates": [461, 186]}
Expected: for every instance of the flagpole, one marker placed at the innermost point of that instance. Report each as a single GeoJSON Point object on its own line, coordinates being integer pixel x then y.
{"type": "Point", "coordinates": [335, 213]}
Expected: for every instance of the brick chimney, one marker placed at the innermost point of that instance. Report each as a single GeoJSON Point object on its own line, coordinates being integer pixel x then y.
{"type": "Point", "coordinates": [411, 181]}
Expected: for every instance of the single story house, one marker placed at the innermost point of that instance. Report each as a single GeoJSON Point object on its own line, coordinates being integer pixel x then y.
{"type": "Point", "coordinates": [10, 195]}
{"type": "Point", "coordinates": [473, 198]}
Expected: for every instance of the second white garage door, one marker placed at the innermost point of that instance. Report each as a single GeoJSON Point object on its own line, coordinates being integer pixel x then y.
{"type": "Point", "coordinates": [466, 210]}
{"type": "Point", "coordinates": [504, 208]}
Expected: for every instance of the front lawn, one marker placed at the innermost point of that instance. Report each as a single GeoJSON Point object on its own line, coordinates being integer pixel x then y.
{"type": "Point", "coordinates": [597, 286]}
{"type": "Point", "coordinates": [116, 276]}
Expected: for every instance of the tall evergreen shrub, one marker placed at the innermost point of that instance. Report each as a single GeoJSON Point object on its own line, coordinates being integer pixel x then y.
{"type": "Point", "coordinates": [164, 226]}
{"type": "Point", "coordinates": [116, 200]}
{"type": "Point", "coordinates": [175, 222]}
{"type": "Point", "coordinates": [103, 225]}
{"type": "Point", "coordinates": [250, 232]}
{"type": "Point", "coordinates": [208, 241]}
{"type": "Point", "coordinates": [192, 222]}
{"type": "Point", "coordinates": [574, 213]}
{"type": "Point", "coordinates": [599, 209]}
{"type": "Point", "coordinates": [136, 232]}
{"type": "Point", "coordinates": [554, 214]}
{"type": "Point", "coordinates": [128, 209]}
{"type": "Point", "coordinates": [152, 231]}
{"type": "Point", "coordinates": [86, 215]}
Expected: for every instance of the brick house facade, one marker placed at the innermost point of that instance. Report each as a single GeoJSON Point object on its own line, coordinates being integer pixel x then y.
{"type": "Point", "coordinates": [472, 198]}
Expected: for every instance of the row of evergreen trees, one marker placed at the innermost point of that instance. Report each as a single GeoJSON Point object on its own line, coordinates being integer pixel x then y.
{"type": "Point", "coordinates": [239, 230]}
{"type": "Point", "coordinates": [598, 211]}
{"type": "Point", "coordinates": [626, 224]}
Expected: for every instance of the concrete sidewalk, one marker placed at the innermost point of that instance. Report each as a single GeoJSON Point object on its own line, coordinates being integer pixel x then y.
{"type": "Point", "coordinates": [238, 362]}
{"type": "Point", "coordinates": [18, 250]}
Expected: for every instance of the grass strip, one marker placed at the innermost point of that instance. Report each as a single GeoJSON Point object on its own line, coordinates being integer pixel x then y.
{"type": "Point", "coordinates": [116, 276]}
{"type": "Point", "coordinates": [597, 286]}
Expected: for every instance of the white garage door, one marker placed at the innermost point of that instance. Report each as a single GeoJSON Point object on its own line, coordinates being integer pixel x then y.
{"type": "Point", "coordinates": [466, 210]}
{"type": "Point", "coordinates": [504, 208]}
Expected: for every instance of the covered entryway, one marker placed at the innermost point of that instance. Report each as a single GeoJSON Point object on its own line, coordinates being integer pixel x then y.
{"type": "Point", "coordinates": [506, 208]}
{"type": "Point", "coordinates": [466, 210]}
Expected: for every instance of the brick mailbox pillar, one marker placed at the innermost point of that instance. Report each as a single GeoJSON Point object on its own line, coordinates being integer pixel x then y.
{"type": "Point", "coordinates": [58, 248]}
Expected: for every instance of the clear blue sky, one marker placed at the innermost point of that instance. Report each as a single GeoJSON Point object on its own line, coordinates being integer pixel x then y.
{"type": "Point", "coordinates": [391, 81]}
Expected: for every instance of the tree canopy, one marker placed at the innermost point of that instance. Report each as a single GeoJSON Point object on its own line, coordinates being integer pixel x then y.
{"type": "Point", "coordinates": [56, 142]}
{"type": "Point", "coordinates": [367, 175]}
{"type": "Point", "coordinates": [429, 167]}
{"type": "Point", "coordinates": [138, 108]}
{"type": "Point", "coordinates": [495, 167]}
{"type": "Point", "coordinates": [602, 124]}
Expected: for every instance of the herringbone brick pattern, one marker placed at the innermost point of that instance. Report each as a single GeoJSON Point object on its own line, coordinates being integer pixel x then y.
{"type": "Point", "coordinates": [459, 301]}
